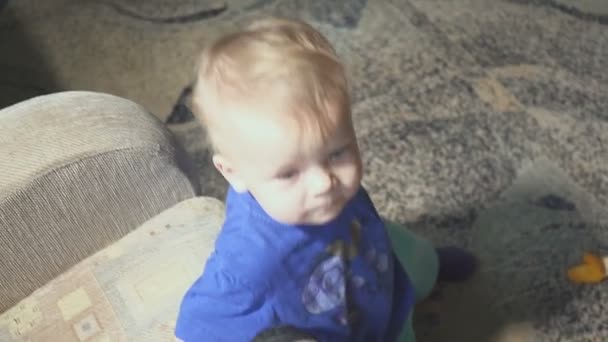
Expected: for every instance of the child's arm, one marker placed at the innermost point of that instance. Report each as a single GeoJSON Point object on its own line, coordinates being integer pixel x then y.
{"type": "Point", "coordinates": [221, 306]}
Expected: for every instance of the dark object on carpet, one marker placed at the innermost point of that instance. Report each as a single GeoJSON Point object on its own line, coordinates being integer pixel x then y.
{"type": "Point", "coordinates": [182, 19]}
{"type": "Point", "coordinates": [554, 202]}
{"type": "Point", "coordinates": [575, 12]}
{"type": "Point", "coordinates": [181, 112]}
{"type": "Point", "coordinates": [455, 264]}
{"type": "Point", "coordinates": [340, 14]}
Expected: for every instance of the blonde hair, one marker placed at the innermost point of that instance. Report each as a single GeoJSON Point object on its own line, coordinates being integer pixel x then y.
{"type": "Point", "coordinates": [286, 60]}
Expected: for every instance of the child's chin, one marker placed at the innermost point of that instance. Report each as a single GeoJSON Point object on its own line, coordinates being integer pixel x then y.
{"type": "Point", "coordinates": [324, 217]}
{"type": "Point", "coordinates": [317, 220]}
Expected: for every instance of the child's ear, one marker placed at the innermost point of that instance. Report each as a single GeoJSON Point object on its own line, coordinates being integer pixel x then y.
{"type": "Point", "coordinates": [228, 171]}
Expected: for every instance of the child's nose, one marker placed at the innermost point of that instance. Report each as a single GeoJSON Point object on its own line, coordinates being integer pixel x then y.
{"type": "Point", "coordinates": [321, 181]}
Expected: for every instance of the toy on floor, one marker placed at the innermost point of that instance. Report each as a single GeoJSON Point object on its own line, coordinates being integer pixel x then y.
{"type": "Point", "coordinates": [591, 271]}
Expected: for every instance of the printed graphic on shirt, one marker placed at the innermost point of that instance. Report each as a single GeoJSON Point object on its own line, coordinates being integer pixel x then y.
{"type": "Point", "coordinates": [325, 290]}
{"type": "Point", "coordinates": [333, 277]}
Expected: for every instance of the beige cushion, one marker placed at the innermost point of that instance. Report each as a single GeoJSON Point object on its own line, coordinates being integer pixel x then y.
{"type": "Point", "coordinates": [78, 170]}
{"type": "Point", "coordinates": [129, 291]}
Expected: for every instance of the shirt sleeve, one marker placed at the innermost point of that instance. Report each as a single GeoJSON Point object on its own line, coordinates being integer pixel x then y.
{"type": "Point", "coordinates": [222, 306]}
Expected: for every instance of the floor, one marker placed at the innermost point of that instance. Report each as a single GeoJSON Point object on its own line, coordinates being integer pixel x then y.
{"type": "Point", "coordinates": [482, 124]}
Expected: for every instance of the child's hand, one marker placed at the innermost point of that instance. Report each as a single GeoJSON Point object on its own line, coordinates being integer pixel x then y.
{"type": "Point", "coordinates": [591, 271]}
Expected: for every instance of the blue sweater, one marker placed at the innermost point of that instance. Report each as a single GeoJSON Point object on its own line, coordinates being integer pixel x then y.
{"type": "Point", "coordinates": [338, 282]}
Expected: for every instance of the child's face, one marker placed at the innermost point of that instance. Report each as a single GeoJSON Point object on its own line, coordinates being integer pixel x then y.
{"type": "Point", "coordinates": [295, 178]}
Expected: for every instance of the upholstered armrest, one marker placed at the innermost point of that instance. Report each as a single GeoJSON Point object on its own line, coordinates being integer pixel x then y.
{"type": "Point", "coordinates": [78, 170]}
{"type": "Point", "coordinates": [128, 291]}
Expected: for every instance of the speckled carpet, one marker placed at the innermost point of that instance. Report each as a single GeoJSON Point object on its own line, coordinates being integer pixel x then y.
{"type": "Point", "coordinates": [482, 123]}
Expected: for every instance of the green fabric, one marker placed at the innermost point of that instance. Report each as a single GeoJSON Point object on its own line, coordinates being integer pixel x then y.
{"type": "Point", "coordinates": [407, 334]}
{"type": "Point", "coordinates": [420, 260]}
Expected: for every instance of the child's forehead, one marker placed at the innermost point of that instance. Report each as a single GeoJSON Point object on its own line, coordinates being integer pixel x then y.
{"type": "Point", "coordinates": [306, 125]}
{"type": "Point", "coordinates": [287, 137]}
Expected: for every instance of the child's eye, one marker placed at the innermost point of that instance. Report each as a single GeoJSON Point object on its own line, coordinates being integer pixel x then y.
{"type": "Point", "coordinates": [287, 175]}
{"type": "Point", "coordinates": [337, 154]}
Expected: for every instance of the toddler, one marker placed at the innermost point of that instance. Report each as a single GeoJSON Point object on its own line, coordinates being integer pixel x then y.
{"type": "Point", "coordinates": [302, 244]}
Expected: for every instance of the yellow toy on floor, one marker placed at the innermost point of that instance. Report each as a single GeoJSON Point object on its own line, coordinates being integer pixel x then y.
{"type": "Point", "coordinates": [591, 271]}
